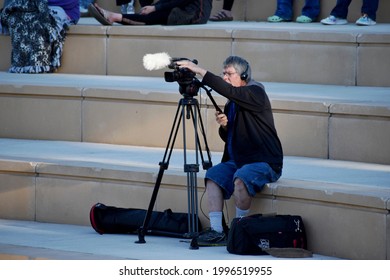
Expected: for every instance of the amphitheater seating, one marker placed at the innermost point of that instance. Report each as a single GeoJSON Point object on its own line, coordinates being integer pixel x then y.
{"type": "Point", "coordinates": [96, 129]}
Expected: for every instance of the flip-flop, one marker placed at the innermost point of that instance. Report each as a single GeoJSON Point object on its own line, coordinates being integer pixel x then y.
{"type": "Point", "coordinates": [221, 16]}
{"type": "Point", "coordinates": [99, 14]}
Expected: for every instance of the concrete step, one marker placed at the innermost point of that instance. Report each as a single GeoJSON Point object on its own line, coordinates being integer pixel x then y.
{"type": "Point", "coordinates": [287, 52]}
{"type": "Point", "coordinates": [342, 203]}
{"type": "Point", "coordinates": [321, 121]}
{"type": "Point", "coordinates": [255, 10]}
{"type": "Point", "coordinates": [49, 241]}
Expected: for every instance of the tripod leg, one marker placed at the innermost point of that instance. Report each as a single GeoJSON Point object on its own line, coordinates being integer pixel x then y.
{"type": "Point", "coordinates": [192, 200]}
{"type": "Point", "coordinates": [206, 164]}
{"type": "Point", "coordinates": [143, 228]}
{"type": "Point", "coordinates": [190, 169]}
{"type": "Point", "coordinates": [163, 166]}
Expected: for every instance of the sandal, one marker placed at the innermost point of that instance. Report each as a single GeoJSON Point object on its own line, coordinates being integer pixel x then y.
{"type": "Point", "coordinates": [99, 14]}
{"type": "Point", "coordinates": [221, 16]}
{"type": "Point", "coordinates": [276, 18]}
{"type": "Point", "coordinates": [303, 19]}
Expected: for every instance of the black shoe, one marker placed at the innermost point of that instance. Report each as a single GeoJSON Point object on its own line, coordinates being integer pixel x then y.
{"type": "Point", "coordinates": [211, 237]}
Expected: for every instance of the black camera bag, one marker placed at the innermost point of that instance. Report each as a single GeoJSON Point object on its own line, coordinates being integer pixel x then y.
{"type": "Point", "coordinates": [111, 219]}
{"type": "Point", "coordinates": [255, 234]}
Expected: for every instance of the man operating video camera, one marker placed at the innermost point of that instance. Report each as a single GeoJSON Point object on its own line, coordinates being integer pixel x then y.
{"type": "Point", "coordinates": [253, 154]}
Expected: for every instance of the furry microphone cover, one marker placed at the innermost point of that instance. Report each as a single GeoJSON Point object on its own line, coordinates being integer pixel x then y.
{"type": "Point", "coordinates": [156, 61]}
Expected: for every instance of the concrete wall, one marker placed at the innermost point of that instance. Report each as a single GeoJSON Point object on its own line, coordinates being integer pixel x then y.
{"type": "Point", "coordinates": [288, 54]}
{"type": "Point", "coordinates": [344, 221]}
{"type": "Point", "coordinates": [132, 111]}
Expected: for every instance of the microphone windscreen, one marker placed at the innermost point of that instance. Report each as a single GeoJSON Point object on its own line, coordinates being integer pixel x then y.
{"type": "Point", "coordinates": [156, 61]}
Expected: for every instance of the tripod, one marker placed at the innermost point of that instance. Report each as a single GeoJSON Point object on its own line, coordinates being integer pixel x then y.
{"type": "Point", "coordinates": [188, 107]}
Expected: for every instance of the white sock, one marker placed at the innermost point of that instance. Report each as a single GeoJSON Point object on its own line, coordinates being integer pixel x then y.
{"type": "Point", "coordinates": [216, 221]}
{"type": "Point", "coordinates": [241, 213]}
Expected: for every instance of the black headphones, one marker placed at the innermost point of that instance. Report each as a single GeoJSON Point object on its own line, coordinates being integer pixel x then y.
{"type": "Point", "coordinates": [244, 75]}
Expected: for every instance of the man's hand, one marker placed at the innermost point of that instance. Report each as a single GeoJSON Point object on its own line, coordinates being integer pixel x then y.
{"type": "Point", "coordinates": [192, 67]}
{"type": "Point", "coordinates": [147, 10]}
{"type": "Point", "coordinates": [221, 119]}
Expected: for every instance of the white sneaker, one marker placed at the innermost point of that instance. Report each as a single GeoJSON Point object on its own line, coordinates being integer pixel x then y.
{"type": "Point", "coordinates": [365, 21]}
{"type": "Point", "coordinates": [332, 20]}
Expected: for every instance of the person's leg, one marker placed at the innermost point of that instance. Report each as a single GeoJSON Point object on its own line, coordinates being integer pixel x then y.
{"type": "Point", "coordinates": [215, 205]}
{"type": "Point", "coordinates": [225, 14]}
{"type": "Point", "coordinates": [341, 9]}
{"type": "Point", "coordinates": [155, 18]}
{"type": "Point", "coordinates": [219, 186]}
{"type": "Point", "coordinates": [107, 17]}
{"type": "Point", "coordinates": [241, 196]}
{"type": "Point", "coordinates": [339, 13]}
{"type": "Point", "coordinates": [311, 9]}
{"type": "Point", "coordinates": [370, 7]}
{"type": "Point", "coordinates": [228, 5]}
{"type": "Point", "coordinates": [283, 11]}
{"type": "Point", "coordinates": [214, 196]}
{"type": "Point", "coordinates": [249, 180]}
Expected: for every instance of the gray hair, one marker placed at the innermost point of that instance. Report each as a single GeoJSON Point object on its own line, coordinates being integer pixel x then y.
{"type": "Point", "coordinates": [240, 65]}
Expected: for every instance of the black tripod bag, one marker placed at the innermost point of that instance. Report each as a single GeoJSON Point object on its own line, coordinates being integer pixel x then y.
{"type": "Point", "coordinates": [110, 219]}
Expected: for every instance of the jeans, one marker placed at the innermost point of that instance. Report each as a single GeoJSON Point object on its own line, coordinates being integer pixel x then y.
{"type": "Point", "coordinates": [284, 9]}
{"type": "Point", "coordinates": [369, 7]}
{"type": "Point", "coordinates": [254, 175]}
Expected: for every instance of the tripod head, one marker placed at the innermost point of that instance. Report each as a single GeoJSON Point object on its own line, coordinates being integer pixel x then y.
{"type": "Point", "coordinates": [190, 88]}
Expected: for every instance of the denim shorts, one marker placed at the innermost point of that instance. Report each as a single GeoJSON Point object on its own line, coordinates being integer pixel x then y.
{"type": "Point", "coordinates": [254, 175]}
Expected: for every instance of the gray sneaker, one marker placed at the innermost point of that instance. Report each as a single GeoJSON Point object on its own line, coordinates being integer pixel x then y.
{"type": "Point", "coordinates": [365, 21]}
{"type": "Point", "coordinates": [332, 20]}
{"type": "Point", "coordinates": [211, 237]}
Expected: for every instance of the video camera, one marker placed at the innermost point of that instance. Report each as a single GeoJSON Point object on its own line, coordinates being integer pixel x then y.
{"type": "Point", "coordinates": [188, 84]}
